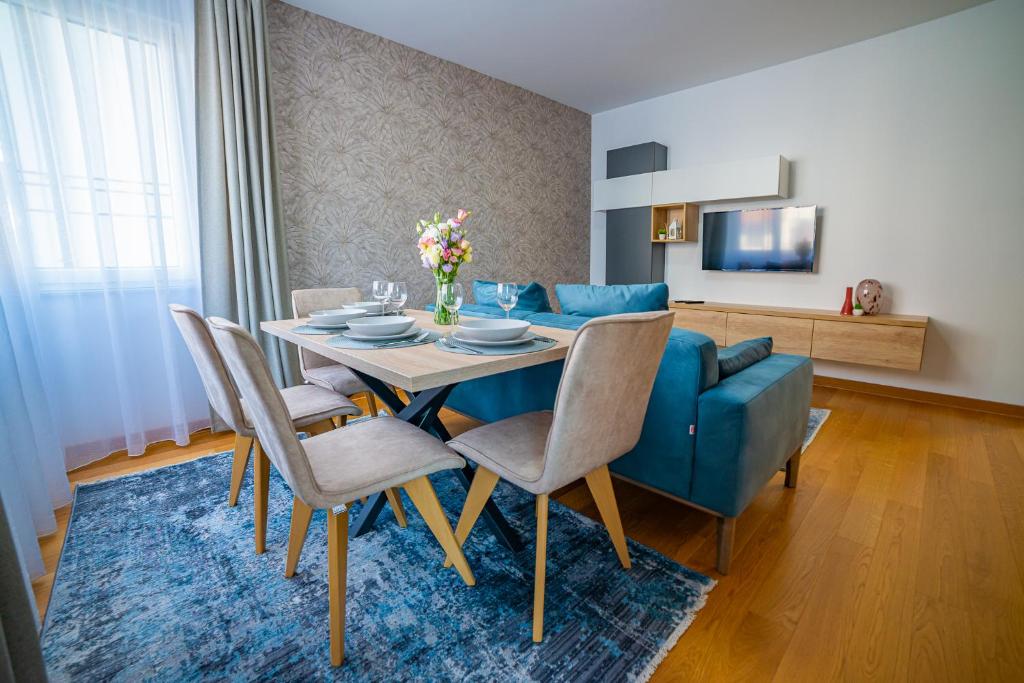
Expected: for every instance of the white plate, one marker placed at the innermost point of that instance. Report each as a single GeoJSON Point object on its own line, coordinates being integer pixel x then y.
{"type": "Point", "coordinates": [388, 337]}
{"type": "Point", "coordinates": [493, 329]}
{"type": "Point", "coordinates": [508, 342]}
{"type": "Point", "coordinates": [324, 326]}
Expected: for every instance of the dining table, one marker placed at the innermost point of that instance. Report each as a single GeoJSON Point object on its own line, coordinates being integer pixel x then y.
{"type": "Point", "coordinates": [427, 375]}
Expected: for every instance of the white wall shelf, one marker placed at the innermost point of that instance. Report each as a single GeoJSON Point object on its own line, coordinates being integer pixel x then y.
{"type": "Point", "coordinates": [622, 193]}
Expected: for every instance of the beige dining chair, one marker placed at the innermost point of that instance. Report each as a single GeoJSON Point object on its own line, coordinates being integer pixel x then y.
{"type": "Point", "coordinates": [331, 470]}
{"type": "Point", "coordinates": [598, 415]}
{"type": "Point", "coordinates": [310, 409]}
{"type": "Point", "coordinates": [317, 369]}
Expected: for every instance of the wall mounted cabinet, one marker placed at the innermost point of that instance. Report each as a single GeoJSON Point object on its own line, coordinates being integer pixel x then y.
{"type": "Point", "coordinates": [886, 341]}
{"type": "Point", "coordinates": [758, 178]}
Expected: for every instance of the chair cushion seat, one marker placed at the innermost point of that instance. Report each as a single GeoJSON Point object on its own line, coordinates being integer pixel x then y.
{"type": "Point", "coordinates": [335, 377]}
{"type": "Point", "coordinates": [513, 448]}
{"type": "Point", "coordinates": [369, 456]}
{"type": "Point", "coordinates": [308, 405]}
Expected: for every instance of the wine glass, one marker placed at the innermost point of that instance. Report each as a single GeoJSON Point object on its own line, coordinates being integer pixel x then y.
{"type": "Point", "coordinates": [398, 295]}
{"type": "Point", "coordinates": [380, 293]}
{"type": "Point", "coordinates": [508, 295]}
{"type": "Point", "coordinates": [452, 295]}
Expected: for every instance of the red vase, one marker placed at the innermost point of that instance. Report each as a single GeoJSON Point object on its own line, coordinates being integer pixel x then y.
{"type": "Point", "coordinates": [847, 308]}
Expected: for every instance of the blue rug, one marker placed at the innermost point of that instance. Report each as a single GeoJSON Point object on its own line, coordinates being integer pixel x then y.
{"type": "Point", "coordinates": [158, 581]}
{"type": "Point", "coordinates": [814, 422]}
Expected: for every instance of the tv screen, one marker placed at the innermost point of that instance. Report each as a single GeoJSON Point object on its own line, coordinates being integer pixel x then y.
{"type": "Point", "coordinates": [780, 240]}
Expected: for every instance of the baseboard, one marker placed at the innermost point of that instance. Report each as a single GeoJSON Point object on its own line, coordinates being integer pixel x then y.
{"type": "Point", "coordinates": [932, 397]}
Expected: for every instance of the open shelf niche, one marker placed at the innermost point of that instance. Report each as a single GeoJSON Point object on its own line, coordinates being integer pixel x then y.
{"type": "Point", "coordinates": [688, 216]}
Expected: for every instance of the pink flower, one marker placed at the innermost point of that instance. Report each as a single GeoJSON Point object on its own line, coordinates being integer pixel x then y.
{"type": "Point", "coordinates": [462, 215]}
{"type": "Point", "coordinates": [457, 252]}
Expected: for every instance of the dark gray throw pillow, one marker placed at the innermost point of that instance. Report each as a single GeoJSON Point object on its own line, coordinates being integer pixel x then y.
{"type": "Point", "coordinates": [741, 356]}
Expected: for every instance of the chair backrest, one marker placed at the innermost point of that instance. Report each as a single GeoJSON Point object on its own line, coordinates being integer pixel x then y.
{"type": "Point", "coordinates": [267, 409]}
{"type": "Point", "coordinates": [603, 394]}
{"type": "Point", "coordinates": [219, 390]}
{"type": "Point", "coordinates": [305, 301]}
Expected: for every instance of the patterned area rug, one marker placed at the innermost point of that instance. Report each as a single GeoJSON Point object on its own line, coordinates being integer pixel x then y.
{"type": "Point", "coordinates": [158, 581]}
{"type": "Point", "coordinates": [814, 422]}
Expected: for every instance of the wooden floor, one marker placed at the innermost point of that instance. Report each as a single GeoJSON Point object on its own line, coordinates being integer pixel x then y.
{"type": "Point", "coordinates": [900, 556]}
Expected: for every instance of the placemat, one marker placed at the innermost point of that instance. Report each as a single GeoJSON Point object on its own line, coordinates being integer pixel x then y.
{"type": "Point", "coordinates": [343, 342]}
{"type": "Point", "coordinates": [530, 347]}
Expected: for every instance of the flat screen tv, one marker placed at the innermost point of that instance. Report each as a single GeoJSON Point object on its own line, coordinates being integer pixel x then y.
{"type": "Point", "coordinates": [761, 240]}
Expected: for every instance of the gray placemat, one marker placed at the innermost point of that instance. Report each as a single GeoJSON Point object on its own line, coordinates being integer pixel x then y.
{"type": "Point", "coordinates": [343, 342]}
{"type": "Point", "coordinates": [309, 329]}
{"type": "Point", "coordinates": [530, 347]}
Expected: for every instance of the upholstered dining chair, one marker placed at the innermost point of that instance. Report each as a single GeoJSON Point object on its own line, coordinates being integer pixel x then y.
{"type": "Point", "coordinates": [310, 409]}
{"type": "Point", "coordinates": [598, 415]}
{"type": "Point", "coordinates": [331, 470]}
{"type": "Point", "coordinates": [317, 369]}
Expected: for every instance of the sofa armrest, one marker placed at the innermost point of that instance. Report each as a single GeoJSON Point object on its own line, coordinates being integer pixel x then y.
{"type": "Point", "coordinates": [748, 425]}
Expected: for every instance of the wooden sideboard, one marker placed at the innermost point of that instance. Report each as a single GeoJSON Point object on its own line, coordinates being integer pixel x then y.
{"type": "Point", "coordinates": [888, 341]}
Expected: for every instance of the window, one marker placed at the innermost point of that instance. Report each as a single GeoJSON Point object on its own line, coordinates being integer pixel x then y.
{"type": "Point", "coordinates": [96, 179]}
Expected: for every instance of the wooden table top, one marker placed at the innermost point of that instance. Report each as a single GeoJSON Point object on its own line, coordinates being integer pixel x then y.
{"type": "Point", "coordinates": [415, 368]}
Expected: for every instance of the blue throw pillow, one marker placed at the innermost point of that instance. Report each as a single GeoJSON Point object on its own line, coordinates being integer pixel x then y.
{"type": "Point", "coordinates": [741, 356]}
{"type": "Point", "coordinates": [595, 300]}
{"type": "Point", "coordinates": [532, 297]}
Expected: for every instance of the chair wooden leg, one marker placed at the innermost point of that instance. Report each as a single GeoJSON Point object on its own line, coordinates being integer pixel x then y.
{"type": "Point", "coordinates": [600, 483]}
{"type": "Point", "coordinates": [339, 421]}
{"type": "Point", "coordinates": [726, 536]}
{"type": "Point", "coordinates": [320, 427]}
{"type": "Point", "coordinates": [540, 568]}
{"type": "Point", "coordinates": [793, 469]}
{"type": "Point", "coordinates": [337, 575]}
{"type": "Point", "coordinates": [396, 506]}
{"type": "Point", "coordinates": [480, 490]}
{"type": "Point", "coordinates": [243, 444]}
{"type": "Point", "coordinates": [301, 514]}
{"type": "Point", "coordinates": [371, 402]}
{"type": "Point", "coordinates": [262, 486]}
{"type": "Point", "coordinates": [423, 496]}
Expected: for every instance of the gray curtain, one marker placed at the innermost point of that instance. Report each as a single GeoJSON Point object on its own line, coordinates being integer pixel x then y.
{"type": "Point", "coordinates": [20, 656]}
{"type": "Point", "coordinates": [244, 269]}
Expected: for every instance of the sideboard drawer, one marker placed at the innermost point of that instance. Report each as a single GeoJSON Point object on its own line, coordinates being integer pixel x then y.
{"type": "Point", "coordinates": [789, 335]}
{"type": "Point", "coordinates": [888, 346]}
{"type": "Point", "coordinates": [711, 323]}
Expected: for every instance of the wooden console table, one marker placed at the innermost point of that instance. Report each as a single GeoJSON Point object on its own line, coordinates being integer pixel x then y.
{"type": "Point", "coordinates": [885, 340]}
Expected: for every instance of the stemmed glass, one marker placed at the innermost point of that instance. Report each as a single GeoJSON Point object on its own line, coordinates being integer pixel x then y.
{"type": "Point", "coordinates": [398, 294]}
{"type": "Point", "coordinates": [381, 294]}
{"type": "Point", "coordinates": [452, 295]}
{"type": "Point", "coordinates": [508, 295]}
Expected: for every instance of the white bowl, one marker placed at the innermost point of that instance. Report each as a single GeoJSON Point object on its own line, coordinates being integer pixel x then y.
{"type": "Point", "coordinates": [371, 307]}
{"type": "Point", "coordinates": [381, 325]}
{"type": "Point", "coordinates": [336, 316]}
{"type": "Point", "coordinates": [493, 329]}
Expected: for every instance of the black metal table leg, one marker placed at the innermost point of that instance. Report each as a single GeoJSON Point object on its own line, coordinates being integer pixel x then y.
{"type": "Point", "coordinates": [423, 410]}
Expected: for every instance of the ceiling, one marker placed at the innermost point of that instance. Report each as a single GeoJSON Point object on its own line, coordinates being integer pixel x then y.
{"type": "Point", "coordinates": [599, 54]}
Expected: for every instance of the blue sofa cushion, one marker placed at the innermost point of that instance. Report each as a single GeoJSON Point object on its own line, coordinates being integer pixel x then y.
{"type": "Point", "coordinates": [594, 300]}
{"type": "Point", "coordinates": [478, 311]}
{"type": "Point", "coordinates": [740, 356]}
{"type": "Point", "coordinates": [532, 297]}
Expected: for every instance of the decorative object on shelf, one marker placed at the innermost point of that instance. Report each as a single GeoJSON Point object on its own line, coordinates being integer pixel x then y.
{"type": "Point", "coordinates": [869, 295]}
{"type": "Point", "coordinates": [673, 230]}
{"type": "Point", "coordinates": [847, 308]}
{"type": "Point", "coordinates": [857, 308]}
{"type": "Point", "coordinates": [661, 233]}
{"type": "Point", "coordinates": [443, 249]}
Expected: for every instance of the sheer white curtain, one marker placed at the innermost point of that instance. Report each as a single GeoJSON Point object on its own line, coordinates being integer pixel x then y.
{"type": "Point", "coordinates": [98, 224]}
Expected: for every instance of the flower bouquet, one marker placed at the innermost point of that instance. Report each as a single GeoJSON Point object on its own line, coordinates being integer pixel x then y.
{"type": "Point", "coordinates": [443, 248]}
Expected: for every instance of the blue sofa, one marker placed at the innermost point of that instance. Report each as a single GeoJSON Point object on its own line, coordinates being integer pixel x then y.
{"type": "Point", "coordinates": [706, 442]}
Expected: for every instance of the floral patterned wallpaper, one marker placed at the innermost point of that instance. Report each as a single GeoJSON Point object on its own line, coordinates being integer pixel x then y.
{"type": "Point", "coordinates": [373, 135]}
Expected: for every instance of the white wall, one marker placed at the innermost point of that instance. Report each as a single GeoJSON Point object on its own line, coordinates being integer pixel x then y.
{"type": "Point", "coordinates": [913, 146]}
